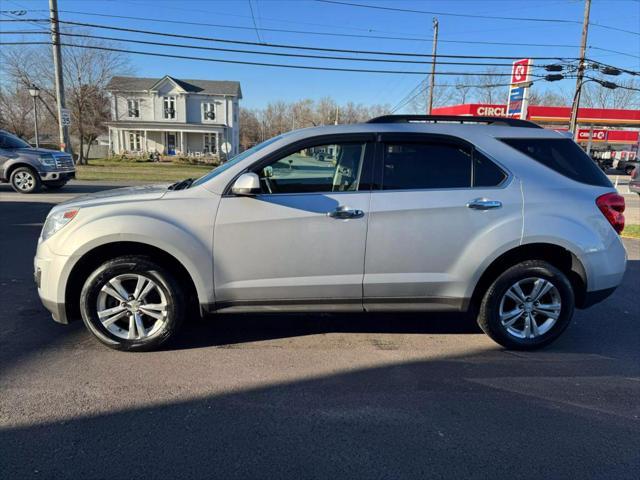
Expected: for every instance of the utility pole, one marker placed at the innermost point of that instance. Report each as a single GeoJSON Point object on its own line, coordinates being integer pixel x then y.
{"type": "Point", "coordinates": [433, 64]}
{"type": "Point", "coordinates": [573, 123]}
{"type": "Point", "coordinates": [57, 66]}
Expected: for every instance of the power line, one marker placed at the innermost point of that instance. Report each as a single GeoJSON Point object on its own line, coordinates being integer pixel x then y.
{"type": "Point", "coordinates": [468, 15]}
{"type": "Point", "coordinates": [293, 47]}
{"type": "Point", "coordinates": [257, 52]}
{"type": "Point", "coordinates": [615, 85]}
{"type": "Point", "coordinates": [307, 32]}
{"type": "Point", "coordinates": [262, 64]}
{"type": "Point", "coordinates": [333, 34]}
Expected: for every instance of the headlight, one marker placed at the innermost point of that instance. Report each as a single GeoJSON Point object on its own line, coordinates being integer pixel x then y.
{"type": "Point", "coordinates": [56, 221]}
{"type": "Point", "coordinates": [47, 160]}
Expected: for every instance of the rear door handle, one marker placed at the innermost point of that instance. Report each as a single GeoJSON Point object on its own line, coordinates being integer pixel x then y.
{"type": "Point", "coordinates": [344, 212]}
{"type": "Point", "coordinates": [484, 204]}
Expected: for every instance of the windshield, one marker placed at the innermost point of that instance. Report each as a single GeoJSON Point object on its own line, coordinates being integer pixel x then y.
{"type": "Point", "coordinates": [235, 160]}
{"type": "Point", "coordinates": [11, 141]}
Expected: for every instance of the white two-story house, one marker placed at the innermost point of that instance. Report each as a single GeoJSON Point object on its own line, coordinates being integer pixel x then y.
{"type": "Point", "coordinates": [174, 117]}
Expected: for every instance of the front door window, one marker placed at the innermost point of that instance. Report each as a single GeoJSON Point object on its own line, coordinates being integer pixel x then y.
{"type": "Point", "coordinates": [321, 168]}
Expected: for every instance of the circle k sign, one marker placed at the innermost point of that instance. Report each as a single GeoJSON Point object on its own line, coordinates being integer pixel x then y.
{"type": "Point", "coordinates": [520, 71]}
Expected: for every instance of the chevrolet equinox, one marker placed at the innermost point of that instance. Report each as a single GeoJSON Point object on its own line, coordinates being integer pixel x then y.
{"type": "Point", "coordinates": [499, 218]}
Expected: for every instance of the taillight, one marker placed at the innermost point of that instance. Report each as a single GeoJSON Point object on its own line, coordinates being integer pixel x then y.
{"type": "Point", "coordinates": [612, 207]}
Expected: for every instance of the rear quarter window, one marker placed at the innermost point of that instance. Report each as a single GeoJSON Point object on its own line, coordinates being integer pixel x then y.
{"type": "Point", "coordinates": [562, 155]}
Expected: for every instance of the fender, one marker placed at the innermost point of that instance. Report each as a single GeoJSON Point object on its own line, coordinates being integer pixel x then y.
{"type": "Point", "coordinates": [191, 247]}
{"type": "Point", "coordinates": [594, 243]}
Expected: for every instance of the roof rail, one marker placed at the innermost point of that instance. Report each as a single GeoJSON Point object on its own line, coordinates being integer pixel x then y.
{"type": "Point", "coordinates": [511, 122]}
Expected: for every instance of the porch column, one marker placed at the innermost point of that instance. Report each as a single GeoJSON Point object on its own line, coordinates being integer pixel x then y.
{"type": "Point", "coordinates": [182, 150]}
{"type": "Point", "coordinates": [109, 152]}
{"type": "Point", "coordinates": [144, 147]}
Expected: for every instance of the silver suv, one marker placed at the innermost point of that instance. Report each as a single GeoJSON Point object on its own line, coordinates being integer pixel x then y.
{"type": "Point", "coordinates": [27, 168]}
{"type": "Point", "coordinates": [499, 218]}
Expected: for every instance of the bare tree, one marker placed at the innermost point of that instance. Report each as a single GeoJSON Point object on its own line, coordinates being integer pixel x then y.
{"type": "Point", "coordinates": [16, 110]}
{"type": "Point", "coordinates": [279, 117]}
{"type": "Point", "coordinates": [86, 73]}
{"type": "Point", "coordinates": [597, 96]}
{"type": "Point", "coordinates": [549, 97]}
{"type": "Point", "coordinates": [491, 87]}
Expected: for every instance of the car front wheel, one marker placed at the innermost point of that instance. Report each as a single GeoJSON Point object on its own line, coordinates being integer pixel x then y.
{"type": "Point", "coordinates": [132, 304]}
{"type": "Point", "coordinates": [25, 180]}
{"type": "Point", "coordinates": [528, 306]}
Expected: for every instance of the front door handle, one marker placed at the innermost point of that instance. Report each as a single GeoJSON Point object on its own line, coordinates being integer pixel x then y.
{"type": "Point", "coordinates": [344, 212]}
{"type": "Point", "coordinates": [484, 204]}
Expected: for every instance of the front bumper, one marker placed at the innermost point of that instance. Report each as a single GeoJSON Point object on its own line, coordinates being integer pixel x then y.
{"type": "Point", "coordinates": [57, 176]}
{"type": "Point", "coordinates": [49, 272]}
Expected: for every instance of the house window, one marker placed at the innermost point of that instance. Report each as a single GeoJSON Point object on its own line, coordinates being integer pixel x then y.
{"type": "Point", "coordinates": [133, 108]}
{"type": "Point", "coordinates": [210, 143]}
{"type": "Point", "coordinates": [208, 112]}
{"type": "Point", "coordinates": [134, 141]}
{"type": "Point", "coordinates": [169, 107]}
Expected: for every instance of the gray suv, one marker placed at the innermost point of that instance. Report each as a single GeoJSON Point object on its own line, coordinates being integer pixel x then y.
{"type": "Point", "coordinates": [27, 168]}
{"type": "Point", "coordinates": [499, 218]}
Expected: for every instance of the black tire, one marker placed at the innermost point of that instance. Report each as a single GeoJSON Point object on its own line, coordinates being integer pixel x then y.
{"type": "Point", "coordinates": [629, 170]}
{"type": "Point", "coordinates": [132, 265]}
{"type": "Point", "coordinates": [25, 180]}
{"type": "Point", "coordinates": [489, 318]}
{"type": "Point", "coordinates": [56, 185]}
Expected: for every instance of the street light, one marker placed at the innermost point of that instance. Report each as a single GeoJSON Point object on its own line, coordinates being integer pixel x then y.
{"type": "Point", "coordinates": [34, 91]}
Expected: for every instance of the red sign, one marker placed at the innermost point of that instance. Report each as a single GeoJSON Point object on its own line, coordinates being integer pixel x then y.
{"type": "Point", "coordinates": [489, 111]}
{"type": "Point", "coordinates": [520, 71]}
{"type": "Point", "coordinates": [597, 134]}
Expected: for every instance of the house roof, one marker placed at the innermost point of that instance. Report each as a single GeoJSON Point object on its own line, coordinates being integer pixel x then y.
{"type": "Point", "coordinates": [142, 84]}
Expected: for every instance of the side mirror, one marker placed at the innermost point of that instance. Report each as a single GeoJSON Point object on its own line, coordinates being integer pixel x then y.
{"type": "Point", "coordinates": [246, 184]}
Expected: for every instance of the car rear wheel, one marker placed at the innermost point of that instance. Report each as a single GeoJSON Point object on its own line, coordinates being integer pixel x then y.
{"type": "Point", "coordinates": [629, 170]}
{"type": "Point", "coordinates": [25, 180]}
{"type": "Point", "coordinates": [132, 304]}
{"type": "Point", "coordinates": [528, 306]}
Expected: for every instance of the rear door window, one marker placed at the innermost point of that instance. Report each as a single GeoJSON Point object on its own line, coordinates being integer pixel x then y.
{"type": "Point", "coordinates": [418, 165]}
{"type": "Point", "coordinates": [485, 172]}
{"type": "Point", "coordinates": [562, 155]}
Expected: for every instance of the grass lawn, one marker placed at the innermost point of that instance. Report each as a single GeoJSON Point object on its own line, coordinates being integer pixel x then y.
{"type": "Point", "coordinates": [104, 169]}
{"type": "Point", "coordinates": [632, 231]}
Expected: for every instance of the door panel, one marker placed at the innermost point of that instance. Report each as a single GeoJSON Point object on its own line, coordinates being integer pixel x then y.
{"type": "Point", "coordinates": [419, 241]}
{"type": "Point", "coordinates": [302, 239]}
{"type": "Point", "coordinates": [425, 241]}
{"type": "Point", "coordinates": [286, 247]}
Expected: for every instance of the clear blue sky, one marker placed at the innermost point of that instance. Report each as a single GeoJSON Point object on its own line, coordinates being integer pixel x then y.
{"type": "Point", "coordinates": [261, 85]}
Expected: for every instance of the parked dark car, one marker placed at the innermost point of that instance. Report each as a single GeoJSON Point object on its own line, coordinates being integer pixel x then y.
{"type": "Point", "coordinates": [626, 166]}
{"type": "Point", "coordinates": [27, 168]}
{"type": "Point", "coordinates": [634, 183]}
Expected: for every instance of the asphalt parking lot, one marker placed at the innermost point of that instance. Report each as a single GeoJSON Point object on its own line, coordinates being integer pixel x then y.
{"type": "Point", "coordinates": [311, 396]}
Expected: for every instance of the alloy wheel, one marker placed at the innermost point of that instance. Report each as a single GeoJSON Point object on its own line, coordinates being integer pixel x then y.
{"type": "Point", "coordinates": [25, 181]}
{"type": "Point", "coordinates": [132, 307]}
{"type": "Point", "coordinates": [530, 308]}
